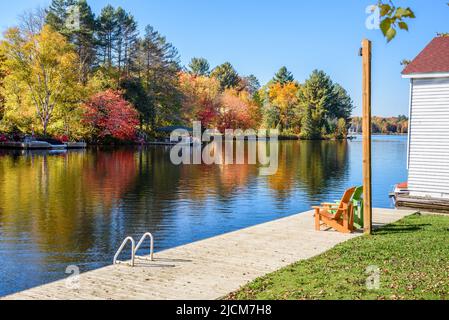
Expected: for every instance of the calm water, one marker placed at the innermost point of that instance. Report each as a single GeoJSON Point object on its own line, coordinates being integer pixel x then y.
{"type": "Point", "coordinates": [76, 208]}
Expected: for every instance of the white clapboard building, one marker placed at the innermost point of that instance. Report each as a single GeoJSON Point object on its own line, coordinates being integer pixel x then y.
{"type": "Point", "coordinates": [428, 152]}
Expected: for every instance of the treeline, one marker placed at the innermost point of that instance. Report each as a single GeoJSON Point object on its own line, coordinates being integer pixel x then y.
{"type": "Point", "coordinates": [67, 73]}
{"type": "Point", "coordinates": [380, 125]}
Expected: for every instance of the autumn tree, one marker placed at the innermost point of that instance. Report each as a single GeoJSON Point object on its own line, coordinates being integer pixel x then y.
{"type": "Point", "coordinates": [382, 125]}
{"type": "Point", "coordinates": [200, 99]}
{"type": "Point", "coordinates": [238, 111]}
{"type": "Point", "coordinates": [234, 112]}
{"type": "Point", "coordinates": [284, 99]}
{"type": "Point", "coordinates": [41, 72]}
{"type": "Point", "coordinates": [199, 67]}
{"type": "Point", "coordinates": [110, 116]}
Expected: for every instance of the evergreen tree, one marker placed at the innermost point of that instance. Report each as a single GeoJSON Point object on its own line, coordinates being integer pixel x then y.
{"type": "Point", "coordinates": [106, 35]}
{"type": "Point", "coordinates": [324, 106]}
{"type": "Point", "coordinates": [82, 36]}
{"type": "Point", "coordinates": [131, 36]}
{"type": "Point", "coordinates": [283, 76]}
{"type": "Point", "coordinates": [199, 67]}
{"type": "Point", "coordinates": [226, 74]}
{"type": "Point", "coordinates": [157, 65]}
{"type": "Point", "coordinates": [75, 20]}
{"type": "Point", "coordinates": [316, 99]}
{"type": "Point", "coordinates": [134, 92]}
{"type": "Point", "coordinates": [309, 129]}
{"type": "Point", "coordinates": [343, 105]}
{"type": "Point", "coordinates": [57, 14]}
{"type": "Point", "coordinates": [251, 84]}
{"type": "Point", "coordinates": [124, 37]}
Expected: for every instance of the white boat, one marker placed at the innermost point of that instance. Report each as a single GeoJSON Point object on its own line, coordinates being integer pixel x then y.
{"type": "Point", "coordinates": [399, 190]}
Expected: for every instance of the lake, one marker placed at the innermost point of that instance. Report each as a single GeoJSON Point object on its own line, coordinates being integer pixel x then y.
{"type": "Point", "coordinates": [76, 208]}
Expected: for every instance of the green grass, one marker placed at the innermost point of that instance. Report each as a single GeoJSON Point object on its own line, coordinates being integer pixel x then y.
{"type": "Point", "coordinates": [412, 255]}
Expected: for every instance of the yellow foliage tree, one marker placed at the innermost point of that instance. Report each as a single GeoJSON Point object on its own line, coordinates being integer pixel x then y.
{"type": "Point", "coordinates": [285, 98]}
{"type": "Point", "coordinates": [41, 82]}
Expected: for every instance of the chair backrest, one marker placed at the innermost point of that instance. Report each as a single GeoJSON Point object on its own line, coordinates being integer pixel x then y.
{"type": "Point", "coordinates": [358, 194]}
{"type": "Point", "coordinates": [345, 202]}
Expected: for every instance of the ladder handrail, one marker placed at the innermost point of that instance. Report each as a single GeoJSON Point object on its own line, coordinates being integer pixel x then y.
{"type": "Point", "coordinates": [142, 240]}
{"type": "Point", "coordinates": [133, 251]}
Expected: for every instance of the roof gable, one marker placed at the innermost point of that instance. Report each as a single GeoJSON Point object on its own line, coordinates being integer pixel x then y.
{"type": "Point", "coordinates": [433, 59]}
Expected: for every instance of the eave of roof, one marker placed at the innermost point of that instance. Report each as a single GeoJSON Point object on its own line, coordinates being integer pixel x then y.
{"type": "Point", "coordinates": [429, 75]}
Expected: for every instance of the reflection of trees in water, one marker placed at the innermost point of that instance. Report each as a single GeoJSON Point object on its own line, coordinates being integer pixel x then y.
{"type": "Point", "coordinates": [61, 199]}
{"type": "Point", "coordinates": [221, 180]}
{"type": "Point", "coordinates": [311, 165]}
{"type": "Point", "coordinates": [154, 192]}
{"type": "Point", "coordinates": [322, 164]}
{"type": "Point", "coordinates": [82, 202]}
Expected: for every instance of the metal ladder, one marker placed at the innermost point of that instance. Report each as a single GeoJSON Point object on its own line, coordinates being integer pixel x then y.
{"type": "Point", "coordinates": [134, 249]}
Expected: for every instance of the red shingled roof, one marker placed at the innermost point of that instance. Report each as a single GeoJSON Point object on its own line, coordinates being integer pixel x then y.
{"type": "Point", "coordinates": [434, 58]}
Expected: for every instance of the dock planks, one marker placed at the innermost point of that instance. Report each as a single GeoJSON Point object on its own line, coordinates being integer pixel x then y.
{"type": "Point", "coordinates": [208, 269]}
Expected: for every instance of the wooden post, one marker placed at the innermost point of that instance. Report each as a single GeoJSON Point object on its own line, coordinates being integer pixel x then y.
{"type": "Point", "coordinates": [367, 172]}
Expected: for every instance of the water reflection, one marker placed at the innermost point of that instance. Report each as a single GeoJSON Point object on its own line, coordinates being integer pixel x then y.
{"type": "Point", "coordinates": [76, 207]}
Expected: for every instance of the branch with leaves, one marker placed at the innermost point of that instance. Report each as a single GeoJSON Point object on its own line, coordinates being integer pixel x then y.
{"type": "Point", "coordinates": [393, 17]}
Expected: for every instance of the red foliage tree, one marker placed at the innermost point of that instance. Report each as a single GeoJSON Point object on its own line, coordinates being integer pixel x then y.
{"type": "Point", "coordinates": [236, 111]}
{"type": "Point", "coordinates": [110, 115]}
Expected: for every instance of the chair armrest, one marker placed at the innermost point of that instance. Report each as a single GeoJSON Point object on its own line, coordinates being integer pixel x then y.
{"type": "Point", "coordinates": [326, 204]}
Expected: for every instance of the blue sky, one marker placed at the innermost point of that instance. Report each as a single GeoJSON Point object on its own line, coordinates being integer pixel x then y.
{"type": "Point", "coordinates": [260, 36]}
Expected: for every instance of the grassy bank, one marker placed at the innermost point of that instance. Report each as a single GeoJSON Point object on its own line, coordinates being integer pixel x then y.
{"type": "Point", "coordinates": [412, 254]}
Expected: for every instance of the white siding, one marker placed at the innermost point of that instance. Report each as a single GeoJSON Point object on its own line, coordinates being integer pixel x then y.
{"type": "Point", "coordinates": [429, 138]}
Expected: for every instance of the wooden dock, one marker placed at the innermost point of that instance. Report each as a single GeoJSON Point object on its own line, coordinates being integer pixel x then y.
{"type": "Point", "coordinates": [42, 145]}
{"type": "Point", "coordinates": [421, 203]}
{"type": "Point", "coordinates": [208, 269]}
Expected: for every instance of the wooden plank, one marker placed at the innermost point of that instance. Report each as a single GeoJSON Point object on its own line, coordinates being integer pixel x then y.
{"type": "Point", "coordinates": [367, 170]}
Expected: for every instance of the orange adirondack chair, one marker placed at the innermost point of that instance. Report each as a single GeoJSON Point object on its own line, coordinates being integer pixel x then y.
{"type": "Point", "coordinates": [342, 220]}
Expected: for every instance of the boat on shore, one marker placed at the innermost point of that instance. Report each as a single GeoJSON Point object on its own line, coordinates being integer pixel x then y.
{"type": "Point", "coordinates": [400, 189]}
{"type": "Point", "coordinates": [42, 145]}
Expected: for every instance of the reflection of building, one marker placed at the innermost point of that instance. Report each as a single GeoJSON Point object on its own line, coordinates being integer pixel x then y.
{"type": "Point", "coordinates": [428, 155]}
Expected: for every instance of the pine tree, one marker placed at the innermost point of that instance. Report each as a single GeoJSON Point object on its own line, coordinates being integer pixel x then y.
{"type": "Point", "coordinates": [57, 13]}
{"type": "Point", "coordinates": [251, 84]}
{"type": "Point", "coordinates": [105, 35]}
{"type": "Point", "coordinates": [226, 74]}
{"type": "Point", "coordinates": [157, 65]}
{"type": "Point", "coordinates": [75, 20]}
{"type": "Point", "coordinates": [316, 98]}
{"type": "Point", "coordinates": [283, 76]}
{"type": "Point", "coordinates": [309, 130]}
{"type": "Point", "coordinates": [343, 105]}
{"type": "Point", "coordinates": [83, 38]}
{"type": "Point", "coordinates": [199, 67]}
{"type": "Point", "coordinates": [125, 37]}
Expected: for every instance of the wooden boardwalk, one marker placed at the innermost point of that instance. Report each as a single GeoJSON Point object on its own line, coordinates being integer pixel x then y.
{"type": "Point", "coordinates": [208, 269]}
